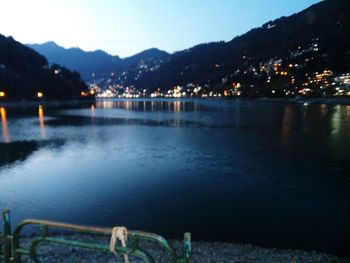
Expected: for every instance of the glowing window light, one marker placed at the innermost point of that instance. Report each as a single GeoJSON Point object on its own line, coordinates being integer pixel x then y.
{"type": "Point", "coordinates": [39, 94]}
{"type": "Point", "coordinates": [2, 94]}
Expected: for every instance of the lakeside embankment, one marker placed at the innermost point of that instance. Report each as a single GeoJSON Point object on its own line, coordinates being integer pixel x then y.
{"type": "Point", "coordinates": [202, 252]}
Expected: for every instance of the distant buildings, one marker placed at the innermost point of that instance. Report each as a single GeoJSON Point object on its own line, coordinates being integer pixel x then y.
{"type": "Point", "coordinates": [290, 76]}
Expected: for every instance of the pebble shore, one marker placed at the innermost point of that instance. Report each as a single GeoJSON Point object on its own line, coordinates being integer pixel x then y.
{"type": "Point", "coordinates": [202, 252]}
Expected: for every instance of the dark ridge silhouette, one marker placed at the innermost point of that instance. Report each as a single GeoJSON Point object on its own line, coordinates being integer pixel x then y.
{"type": "Point", "coordinates": [26, 75]}
{"type": "Point", "coordinates": [96, 64]}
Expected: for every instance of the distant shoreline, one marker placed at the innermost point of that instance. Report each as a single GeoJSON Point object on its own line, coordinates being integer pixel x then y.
{"type": "Point", "coordinates": [305, 101]}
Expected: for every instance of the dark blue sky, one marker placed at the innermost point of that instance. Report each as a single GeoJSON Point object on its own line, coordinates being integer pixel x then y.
{"type": "Point", "coordinates": [125, 27]}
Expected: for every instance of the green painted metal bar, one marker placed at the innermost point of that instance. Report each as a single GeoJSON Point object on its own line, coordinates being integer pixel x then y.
{"type": "Point", "coordinates": [7, 236]}
{"type": "Point", "coordinates": [2, 258]}
{"type": "Point", "coordinates": [94, 230]}
{"type": "Point", "coordinates": [12, 251]}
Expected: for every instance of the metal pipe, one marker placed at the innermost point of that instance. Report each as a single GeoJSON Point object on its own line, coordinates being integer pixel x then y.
{"type": "Point", "coordinates": [12, 252]}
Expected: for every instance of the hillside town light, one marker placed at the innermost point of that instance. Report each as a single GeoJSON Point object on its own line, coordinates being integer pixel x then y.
{"type": "Point", "coordinates": [2, 94]}
{"type": "Point", "coordinates": [39, 94]}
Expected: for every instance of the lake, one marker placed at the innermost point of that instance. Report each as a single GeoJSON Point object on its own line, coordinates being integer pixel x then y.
{"type": "Point", "coordinates": [247, 171]}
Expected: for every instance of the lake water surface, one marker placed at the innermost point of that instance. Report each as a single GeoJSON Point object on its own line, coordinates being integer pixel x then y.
{"type": "Point", "coordinates": [265, 173]}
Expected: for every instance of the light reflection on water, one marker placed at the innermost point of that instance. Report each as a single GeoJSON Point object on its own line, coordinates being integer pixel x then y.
{"type": "Point", "coordinates": [148, 105]}
{"type": "Point", "coordinates": [287, 122]}
{"type": "Point", "coordinates": [41, 121]}
{"type": "Point", "coordinates": [5, 131]}
{"type": "Point", "coordinates": [245, 171]}
{"type": "Point", "coordinates": [340, 123]}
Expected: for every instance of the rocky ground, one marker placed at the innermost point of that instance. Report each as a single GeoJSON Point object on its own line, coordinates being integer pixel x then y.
{"type": "Point", "coordinates": [202, 252]}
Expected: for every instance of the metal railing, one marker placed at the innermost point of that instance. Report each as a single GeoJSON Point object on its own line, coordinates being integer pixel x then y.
{"type": "Point", "coordinates": [12, 252]}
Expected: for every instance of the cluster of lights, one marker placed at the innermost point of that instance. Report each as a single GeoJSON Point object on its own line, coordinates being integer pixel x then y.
{"type": "Point", "coordinates": [342, 85]}
{"type": "Point", "coordinates": [275, 67]}
{"type": "Point", "coordinates": [319, 78]}
{"type": "Point", "coordinates": [323, 76]}
{"type": "Point", "coordinates": [304, 91]}
{"type": "Point", "coordinates": [118, 91]}
{"type": "Point", "coordinates": [191, 90]}
{"type": "Point", "coordinates": [344, 79]}
{"type": "Point", "coordinates": [106, 94]}
{"type": "Point", "coordinates": [176, 92]}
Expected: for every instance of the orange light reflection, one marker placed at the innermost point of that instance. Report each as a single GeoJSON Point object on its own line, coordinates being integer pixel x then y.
{"type": "Point", "coordinates": [177, 106]}
{"type": "Point", "coordinates": [93, 114]}
{"type": "Point", "coordinates": [5, 131]}
{"type": "Point", "coordinates": [41, 121]}
{"type": "Point", "coordinates": [287, 123]}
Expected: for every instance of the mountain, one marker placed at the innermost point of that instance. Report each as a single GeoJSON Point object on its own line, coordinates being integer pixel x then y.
{"type": "Point", "coordinates": [94, 65]}
{"type": "Point", "coordinates": [86, 63]}
{"type": "Point", "coordinates": [26, 75]}
{"type": "Point", "coordinates": [145, 56]}
{"type": "Point", "coordinates": [288, 56]}
{"type": "Point", "coordinates": [314, 40]}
